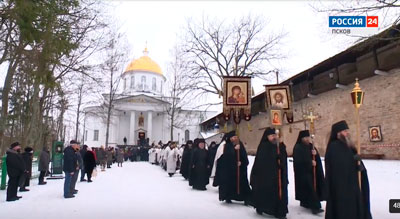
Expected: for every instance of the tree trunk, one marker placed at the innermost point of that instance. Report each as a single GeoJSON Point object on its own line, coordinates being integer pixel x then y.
{"type": "Point", "coordinates": [4, 102]}
{"type": "Point", "coordinates": [172, 124]}
{"type": "Point", "coordinates": [108, 124]}
{"type": "Point", "coordinates": [78, 112]}
{"type": "Point", "coordinates": [33, 130]}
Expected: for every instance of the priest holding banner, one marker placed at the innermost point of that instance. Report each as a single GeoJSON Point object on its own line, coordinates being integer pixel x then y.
{"type": "Point", "coordinates": [269, 177]}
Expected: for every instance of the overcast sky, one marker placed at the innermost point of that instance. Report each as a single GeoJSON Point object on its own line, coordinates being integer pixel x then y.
{"type": "Point", "coordinates": [308, 40]}
{"type": "Point", "coordinates": [158, 23]}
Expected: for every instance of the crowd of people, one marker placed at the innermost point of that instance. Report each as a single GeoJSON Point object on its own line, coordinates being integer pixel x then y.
{"type": "Point", "coordinates": [19, 169]}
{"type": "Point", "coordinates": [344, 186]}
{"type": "Point", "coordinates": [85, 160]}
{"type": "Point", "coordinates": [226, 163]}
{"type": "Point", "coordinates": [76, 160]}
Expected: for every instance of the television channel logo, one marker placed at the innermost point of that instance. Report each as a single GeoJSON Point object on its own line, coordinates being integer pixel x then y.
{"type": "Point", "coordinates": [354, 25]}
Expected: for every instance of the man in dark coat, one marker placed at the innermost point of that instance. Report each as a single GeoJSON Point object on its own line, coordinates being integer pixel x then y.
{"type": "Point", "coordinates": [309, 195]}
{"type": "Point", "coordinates": [25, 179]}
{"type": "Point", "coordinates": [199, 173]}
{"type": "Point", "coordinates": [185, 165]}
{"type": "Point", "coordinates": [70, 167]}
{"type": "Point", "coordinates": [83, 169]}
{"type": "Point", "coordinates": [109, 157]}
{"type": "Point", "coordinates": [44, 162]}
{"type": "Point", "coordinates": [90, 163]}
{"type": "Point", "coordinates": [76, 174]}
{"type": "Point", "coordinates": [15, 169]}
{"type": "Point", "coordinates": [270, 192]}
{"type": "Point", "coordinates": [345, 199]}
{"type": "Point", "coordinates": [232, 171]}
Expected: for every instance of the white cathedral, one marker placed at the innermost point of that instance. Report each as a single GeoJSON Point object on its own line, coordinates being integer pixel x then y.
{"type": "Point", "coordinates": [140, 111]}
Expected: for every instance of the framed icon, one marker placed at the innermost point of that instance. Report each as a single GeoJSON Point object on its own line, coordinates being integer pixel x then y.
{"type": "Point", "coordinates": [278, 97]}
{"type": "Point", "coordinates": [276, 117]}
{"type": "Point", "coordinates": [375, 133]}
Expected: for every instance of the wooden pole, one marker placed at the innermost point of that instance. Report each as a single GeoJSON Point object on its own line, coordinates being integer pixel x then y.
{"type": "Point", "coordinates": [279, 166]}
{"type": "Point", "coordinates": [238, 171]}
{"type": "Point", "coordinates": [314, 167]}
{"type": "Point", "coordinates": [358, 144]}
{"type": "Point", "coordinates": [357, 96]}
{"type": "Point", "coordinates": [312, 117]}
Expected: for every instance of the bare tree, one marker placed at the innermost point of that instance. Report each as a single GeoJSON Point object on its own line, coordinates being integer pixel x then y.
{"type": "Point", "coordinates": [41, 42]}
{"type": "Point", "coordinates": [178, 93]}
{"type": "Point", "coordinates": [112, 68]}
{"type": "Point", "coordinates": [215, 49]}
{"type": "Point", "coordinates": [83, 87]}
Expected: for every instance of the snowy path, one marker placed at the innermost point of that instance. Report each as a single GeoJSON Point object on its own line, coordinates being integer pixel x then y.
{"type": "Point", "coordinates": [141, 191]}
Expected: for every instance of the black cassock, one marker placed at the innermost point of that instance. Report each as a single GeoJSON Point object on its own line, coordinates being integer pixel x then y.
{"type": "Point", "coordinates": [212, 151]}
{"type": "Point", "coordinates": [186, 156]}
{"type": "Point", "coordinates": [199, 174]}
{"type": "Point", "coordinates": [226, 174]}
{"type": "Point", "coordinates": [304, 177]}
{"type": "Point", "coordinates": [264, 179]}
{"type": "Point", "coordinates": [344, 200]}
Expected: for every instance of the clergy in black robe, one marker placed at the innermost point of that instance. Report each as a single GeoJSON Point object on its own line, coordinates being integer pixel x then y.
{"type": "Point", "coordinates": [231, 173]}
{"type": "Point", "coordinates": [309, 195]}
{"type": "Point", "coordinates": [345, 200]}
{"type": "Point", "coordinates": [196, 142]}
{"type": "Point", "coordinates": [186, 159]}
{"type": "Point", "coordinates": [212, 151]}
{"type": "Point", "coordinates": [264, 176]}
{"type": "Point", "coordinates": [199, 174]}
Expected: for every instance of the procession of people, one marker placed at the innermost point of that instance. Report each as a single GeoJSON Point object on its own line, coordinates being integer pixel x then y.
{"type": "Point", "coordinates": [226, 164]}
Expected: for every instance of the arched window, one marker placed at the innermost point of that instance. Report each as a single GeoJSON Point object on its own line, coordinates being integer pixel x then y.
{"type": "Point", "coordinates": [143, 82]}
{"type": "Point", "coordinates": [124, 83]}
{"type": "Point", "coordinates": [187, 135]}
{"type": "Point", "coordinates": [161, 87]}
{"type": "Point", "coordinates": [154, 86]}
{"type": "Point", "coordinates": [132, 81]}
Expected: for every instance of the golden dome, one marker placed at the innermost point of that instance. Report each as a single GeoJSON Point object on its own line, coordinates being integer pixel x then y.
{"type": "Point", "coordinates": [144, 63]}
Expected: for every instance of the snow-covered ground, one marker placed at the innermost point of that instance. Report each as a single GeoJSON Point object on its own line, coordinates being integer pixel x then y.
{"type": "Point", "coordinates": [140, 191]}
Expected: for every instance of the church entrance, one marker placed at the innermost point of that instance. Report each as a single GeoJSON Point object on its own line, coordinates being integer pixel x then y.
{"type": "Point", "coordinates": [142, 141]}
{"type": "Point", "coordinates": [142, 135]}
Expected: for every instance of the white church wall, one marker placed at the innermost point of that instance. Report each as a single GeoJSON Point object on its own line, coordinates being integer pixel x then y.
{"type": "Point", "coordinates": [94, 124]}
{"type": "Point", "coordinates": [143, 81]}
{"type": "Point", "coordinates": [124, 128]}
{"type": "Point", "coordinates": [158, 132]}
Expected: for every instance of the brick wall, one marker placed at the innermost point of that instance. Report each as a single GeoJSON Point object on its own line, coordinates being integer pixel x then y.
{"type": "Point", "coordinates": [381, 107]}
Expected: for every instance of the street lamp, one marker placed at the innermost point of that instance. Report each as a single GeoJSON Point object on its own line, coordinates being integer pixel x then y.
{"type": "Point", "coordinates": [357, 96]}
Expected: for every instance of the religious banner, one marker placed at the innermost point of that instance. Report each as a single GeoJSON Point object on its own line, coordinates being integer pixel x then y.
{"type": "Point", "coordinates": [279, 101]}
{"type": "Point", "coordinates": [237, 98]}
{"type": "Point", "coordinates": [278, 97]}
